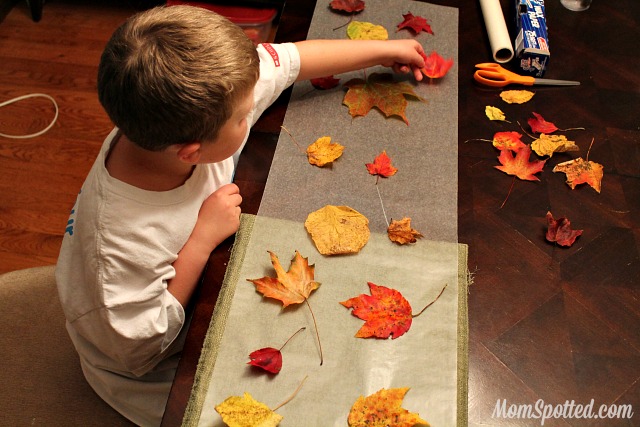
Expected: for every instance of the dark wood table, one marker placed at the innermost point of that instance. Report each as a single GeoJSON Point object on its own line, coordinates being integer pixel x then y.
{"type": "Point", "coordinates": [546, 322]}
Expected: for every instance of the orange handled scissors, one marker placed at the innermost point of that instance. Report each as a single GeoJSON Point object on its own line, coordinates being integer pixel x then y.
{"type": "Point", "coordinates": [492, 74]}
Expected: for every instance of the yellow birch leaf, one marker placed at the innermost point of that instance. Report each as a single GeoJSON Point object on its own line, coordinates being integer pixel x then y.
{"type": "Point", "coordinates": [401, 232]}
{"type": "Point", "coordinates": [338, 230]}
{"type": "Point", "coordinates": [382, 409]}
{"type": "Point", "coordinates": [245, 411]}
{"type": "Point", "coordinates": [516, 96]}
{"type": "Point", "coordinates": [546, 145]}
{"type": "Point", "coordinates": [494, 113]}
{"type": "Point", "coordinates": [323, 151]}
{"type": "Point", "coordinates": [580, 171]}
{"type": "Point", "coordinates": [358, 30]}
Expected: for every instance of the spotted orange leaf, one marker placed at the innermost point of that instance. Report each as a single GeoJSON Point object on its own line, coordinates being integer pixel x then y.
{"type": "Point", "coordinates": [401, 232]}
{"type": "Point", "coordinates": [580, 171]}
{"type": "Point", "coordinates": [508, 141]}
{"type": "Point", "coordinates": [379, 91]}
{"type": "Point", "coordinates": [383, 408]}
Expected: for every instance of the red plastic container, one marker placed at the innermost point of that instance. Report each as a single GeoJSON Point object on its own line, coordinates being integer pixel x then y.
{"type": "Point", "coordinates": [255, 22]}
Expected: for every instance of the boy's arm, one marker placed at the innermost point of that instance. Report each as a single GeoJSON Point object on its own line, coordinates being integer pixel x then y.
{"type": "Point", "coordinates": [321, 58]}
{"type": "Point", "coordinates": [219, 218]}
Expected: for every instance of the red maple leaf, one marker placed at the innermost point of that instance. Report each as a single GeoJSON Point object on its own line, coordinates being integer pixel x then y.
{"type": "Point", "coordinates": [415, 23]}
{"type": "Point", "coordinates": [560, 232]}
{"type": "Point", "coordinates": [435, 66]}
{"type": "Point", "coordinates": [324, 83]}
{"type": "Point", "coordinates": [520, 165]}
{"type": "Point", "coordinates": [386, 312]}
{"type": "Point", "coordinates": [540, 125]}
{"type": "Point", "coordinates": [350, 6]}
{"type": "Point", "coordinates": [381, 166]}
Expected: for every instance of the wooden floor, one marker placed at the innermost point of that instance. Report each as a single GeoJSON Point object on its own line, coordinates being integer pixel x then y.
{"type": "Point", "coordinates": [40, 177]}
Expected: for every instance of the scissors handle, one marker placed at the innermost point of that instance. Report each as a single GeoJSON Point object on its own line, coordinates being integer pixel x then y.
{"type": "Point", "coordinates": [492, 74]}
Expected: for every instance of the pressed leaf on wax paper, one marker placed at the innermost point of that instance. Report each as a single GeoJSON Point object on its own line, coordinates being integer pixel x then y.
{"type": "Point", "coordinates": [516, 96]}
{"type": "Point", "coordinates": [381, 166]}
{"type": "Point", "coordinates": [350, 6]}
{"type": "Point", "coordinates": [581, 171]}
{"type": "Point", "coordinates": [337, 230]}
{"type": "Point", "coordinates": [323, 151]}
{"type": "Point", "coordinates": [546, 145]}
{"type": "Point", "coordinates": [380, 90]}
{"type": "Point", "coordinates": [386, 312]}
{"type": "Point", "coordinates": [382, 409]}
{"type": "Point", "coordinates": [269, 358]}
{"type": "Point", "coordinates": [358, 30]}
{"type": "Point", "coordinates": [245, 411]}
{"type": "Point", "coordinates": [325, 83]}
{"type": "Point", "coordinates": [415, 23]}
{"type": "Point", "coordinates": [540, 125]}
{"type": "Point", "coordinates": [435, 66]}
{"type": "Point", "coordinates": [290, 287]}
{"type": "Point", "coordinates": [560, 232]}
{"type": "Point", "coordinates": [494, 113]}
{"type": "Point", "coordinates": [401, 232]}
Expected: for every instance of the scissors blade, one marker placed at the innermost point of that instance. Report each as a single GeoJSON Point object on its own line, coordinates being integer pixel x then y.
{"type": "Point", "coordinates": [553, 82]}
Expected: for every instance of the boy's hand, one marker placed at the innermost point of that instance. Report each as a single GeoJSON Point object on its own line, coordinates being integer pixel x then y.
{"type": "Point", "coordinates": [406, 56]}
{"type": "Point", "coordinates": [219, 216]}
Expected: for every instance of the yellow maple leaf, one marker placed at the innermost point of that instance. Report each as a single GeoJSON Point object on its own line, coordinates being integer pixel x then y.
{"type": "Point", "coordinates": [323, 151]}
{"type": "Point", "coordinates": [245, 411]}
{"type": "Point", "coordinates": [580, 171]}
{"type": "Point", "coordinates": [546, 145]}
{"type": "Point", "coordinates": [382, 409]}
{"type": "Point", "coordinates": [516, 96]}
{"type": "Point", "coordinates": [358, 30]}
{"type": "Point", "coordinates": [401, 232]}
{"type": "Point", "coordinates": [494, 113]}
{"type": "Point", "coordinates": [338, 230]}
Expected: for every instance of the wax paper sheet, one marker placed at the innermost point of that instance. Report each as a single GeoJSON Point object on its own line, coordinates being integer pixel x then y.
{"type": "Point", "coordinates": [425, 151]}
{"type": "Point", "coordinates": [426, 358]}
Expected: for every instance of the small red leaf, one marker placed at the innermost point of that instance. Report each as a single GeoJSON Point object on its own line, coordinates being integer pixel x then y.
{"type": "Point", "coordinates": [540, 125]}
{"type": "Point", "coordinates": [381, 166]}
{"type": "Point", "coordinates": [324, 83]}
{"type": "Point", "coordinates": [435, 66]}
{"type": "Point", "coordinates": [350, 6]}
{"type": "Point", "coordinates": [268, 358]}
{"type": "Point", "coordinates": [415, 23]}
{"type": "Point", "coordinates": [560, 232]}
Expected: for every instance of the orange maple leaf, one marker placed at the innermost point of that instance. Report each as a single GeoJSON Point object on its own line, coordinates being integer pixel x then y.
{"type": "Point", "coordinates": [291, 287]}
{"type": "Point", "coordinates": [383, 408]}
{"type": "Point", "coordinates": [581, 171]}
{"type": "Point", "coordinates": [508, 141]}
{"type": "Point", "coordinates": [381, 166]}
{"type": "Point", "coordinates": [435, 66]}
{"type": "Point", "coordinates": [520, 165]}
{"type": "Point", "coordinates": [401, 232]}
{"type": "Point", "coordinates": [380, 91]}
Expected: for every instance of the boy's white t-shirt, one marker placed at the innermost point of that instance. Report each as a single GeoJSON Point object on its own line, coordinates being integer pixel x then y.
{"type": "Point", "coordinates": [116, 258]}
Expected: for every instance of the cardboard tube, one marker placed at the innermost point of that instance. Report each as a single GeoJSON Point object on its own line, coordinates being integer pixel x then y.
{"type": "Point", "coordinates": [497, 30]}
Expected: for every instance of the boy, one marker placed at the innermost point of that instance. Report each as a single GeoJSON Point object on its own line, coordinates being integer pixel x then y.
{"type": "Point", "coordinates": [183, 86]}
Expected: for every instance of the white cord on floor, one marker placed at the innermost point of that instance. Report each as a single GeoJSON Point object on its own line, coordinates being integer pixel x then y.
{"type": "Point", "coordinates": [31, 95]}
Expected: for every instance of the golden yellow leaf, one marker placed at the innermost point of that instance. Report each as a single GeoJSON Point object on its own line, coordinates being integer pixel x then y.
{"type": "Point", "coordinates": [546, 145]}
{"type": "Point", "coordinates": [338, 230]}
{"type": "Point", "coordinates": [580, 171]}
{"type": "Point", "coordinates": [494, 113]}
{"type": "Point", "coordinates": [382, 409]}
{"type": "Point", "coordinates": [516, 96]}
{"type": "Point", "coordinates": [323, 151]}
{"type": "Point", "coordinates": [358, 30]}
{"type": "Point", "coordinates": [401, 232]}
{"type": "Point", "coordinates": [245, 411]}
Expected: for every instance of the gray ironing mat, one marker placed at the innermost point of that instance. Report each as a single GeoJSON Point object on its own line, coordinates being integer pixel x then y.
{"type": "Point", "coordinates": [425, 151]}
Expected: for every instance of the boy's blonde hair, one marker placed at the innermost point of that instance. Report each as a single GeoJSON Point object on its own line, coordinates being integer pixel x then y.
{"type": "Point", "coordinates": [173, 75]}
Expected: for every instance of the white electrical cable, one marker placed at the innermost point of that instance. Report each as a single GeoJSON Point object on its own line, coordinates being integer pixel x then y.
{"type": "Point", "coordinates": [32, 95]}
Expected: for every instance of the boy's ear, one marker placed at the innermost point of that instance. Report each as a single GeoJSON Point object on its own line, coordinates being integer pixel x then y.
{"type": "Point", "coordinates": [189, 152]}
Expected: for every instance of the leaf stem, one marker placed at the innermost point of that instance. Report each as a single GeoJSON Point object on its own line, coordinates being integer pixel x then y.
{"type": "Point", "coordinates": [292, 396]}
{"type": "Point", "coordinates": [478, 139]}
{"type": "Point", "coordinates": [293, 139]}
{"type": "Point", "coordinates": [428, 305]}
{"type": "Point", "coordinates": [344, 25]}
{"type": "Point", "coordinates": [294, 334]}
{"type": "Point", "coordinates": [316, 325]}
{"type": "Point", "coordinates": [381, 204]}
{"type": "Point", "coordinates": [513, 181]}
{"type": "Point", "coordinates": [589, 150]}
{"type": "Point", "coordinates": [525, 132]}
